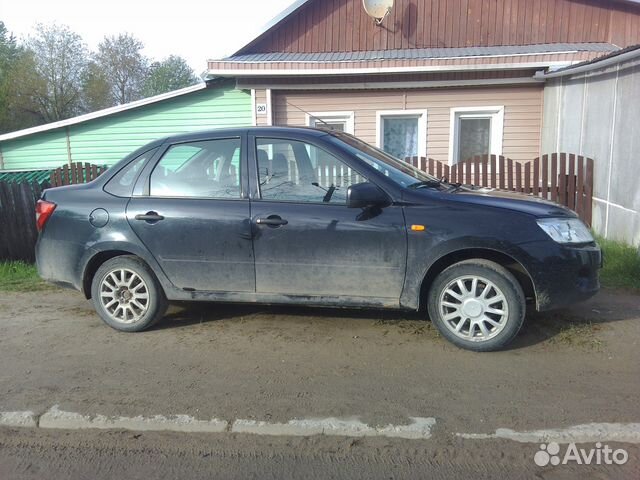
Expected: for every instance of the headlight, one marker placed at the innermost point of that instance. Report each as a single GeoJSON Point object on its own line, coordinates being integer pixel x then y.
{"type": "Point", "coordinates": [566, 230]}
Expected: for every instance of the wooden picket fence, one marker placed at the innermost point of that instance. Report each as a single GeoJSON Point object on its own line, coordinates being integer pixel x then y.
{"type": "Point", "coordinates": [17, 220]}
{"type": "Point", "coordinates": [76, 173]}
{"type": "Point", "coordinates": [564, 178]}
{"type": "Point", "coordinates": [18, 233]}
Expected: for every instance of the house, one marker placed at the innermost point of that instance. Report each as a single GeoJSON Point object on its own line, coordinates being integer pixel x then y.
{"type": "Point", "coordinates": [593, 108]}
{"type": "Point", "coordinates": [445, 79]}
{"type": "Point", "coordinates": [106, 136]}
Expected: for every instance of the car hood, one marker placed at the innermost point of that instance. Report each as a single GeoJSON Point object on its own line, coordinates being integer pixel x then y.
{"type": "Point", "coordinates": [513, 201]}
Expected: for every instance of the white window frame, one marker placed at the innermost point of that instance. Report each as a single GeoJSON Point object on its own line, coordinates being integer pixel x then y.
{"type": "Point", "coordinates": [422, 127]}
{"type": "Point", "coordinates": [495, 114]}
{"type": "Point", "coordinates": [348, 117]}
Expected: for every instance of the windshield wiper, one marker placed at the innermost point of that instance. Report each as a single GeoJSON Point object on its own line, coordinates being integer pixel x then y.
{"type": "Point", "coordinates": [434, 183]}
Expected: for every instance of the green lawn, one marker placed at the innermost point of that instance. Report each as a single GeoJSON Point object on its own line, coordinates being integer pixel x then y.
{"type": "Point", "coordinates": [20, 277]}
{"type": "Point", "coordinates": [621, 265]}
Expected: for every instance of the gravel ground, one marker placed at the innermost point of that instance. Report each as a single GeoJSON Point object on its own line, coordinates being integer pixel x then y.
{"type": "Point", "coordinates": [576, 366]}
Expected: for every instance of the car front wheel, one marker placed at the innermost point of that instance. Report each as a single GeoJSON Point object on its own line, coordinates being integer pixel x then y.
{"type": "Point", "coordinates": [477, 305]}
{"type": "Point", "coordinates": [127, 295]}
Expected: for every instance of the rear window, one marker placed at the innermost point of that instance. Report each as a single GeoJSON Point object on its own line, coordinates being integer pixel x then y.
{"type": "Point", "coordinates": [121, 185]}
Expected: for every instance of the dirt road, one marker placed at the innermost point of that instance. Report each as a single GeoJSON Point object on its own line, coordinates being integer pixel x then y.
{"type": "Point", "coordinates": [572, 367]}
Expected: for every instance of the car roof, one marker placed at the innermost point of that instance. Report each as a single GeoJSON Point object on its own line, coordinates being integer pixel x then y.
{"type": "Point", "coordinates": [278, 131]}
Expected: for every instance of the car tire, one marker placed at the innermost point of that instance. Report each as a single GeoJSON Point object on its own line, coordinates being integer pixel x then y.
{"type": "Point", "coordinates": [477, 305]}
{"type": "Point", "coordinates": [127, 295]}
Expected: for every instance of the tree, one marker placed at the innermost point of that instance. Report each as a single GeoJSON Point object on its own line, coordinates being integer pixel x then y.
{"type": "Point", "coordinates": [124, 66]}
{"type": "Point", "coordinates": [9, 54]}
{"type": "Point", "coordinates": [170, 74]}
{"type": "Point", "coordinates": [15, 66]}
{"type": "Point", "coordinates": [96, 90]}
{"type": "Point", "coordinates": [59, 59]}
{"type": "Point", "coordinates": [9, 50]}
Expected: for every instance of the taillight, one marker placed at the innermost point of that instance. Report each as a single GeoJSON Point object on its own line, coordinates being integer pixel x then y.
{"type": "Point", "coordinates": [44, 210]}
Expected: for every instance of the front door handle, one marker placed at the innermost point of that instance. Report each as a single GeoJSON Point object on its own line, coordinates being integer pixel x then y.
{"type": "Point", "coordinates": [150, 217]}
{"type": "Point", "coordinates": [272, 221]}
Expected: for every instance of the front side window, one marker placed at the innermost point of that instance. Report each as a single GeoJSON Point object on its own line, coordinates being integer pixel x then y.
{"type": "Point", "coordinates": [403, 133]}
{"type": "Point", "coordinates": [290, 170]}
{"type": "Point", "coordinates": [205, 169]}
{"type": "Point", "coordinates": [476, 132]}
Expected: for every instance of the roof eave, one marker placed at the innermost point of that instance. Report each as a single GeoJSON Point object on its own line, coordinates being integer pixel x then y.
{"type": "Point", "coordinates": [336, 72]}
{"type": "Point", "coordinates": [595, 64]}
{"type": "Point", "coordinates": [105, 112]}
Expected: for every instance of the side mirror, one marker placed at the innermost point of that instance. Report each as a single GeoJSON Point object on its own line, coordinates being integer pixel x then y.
{"type": "Point", "coordinates": [363, 195]}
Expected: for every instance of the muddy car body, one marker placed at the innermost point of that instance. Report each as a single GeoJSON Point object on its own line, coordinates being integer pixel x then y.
{"type": "Point", "coordinates": [305, 216]}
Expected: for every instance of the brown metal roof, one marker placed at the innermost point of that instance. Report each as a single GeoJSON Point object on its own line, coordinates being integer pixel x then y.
{"type": "Point", "coordinates": [388, 66]}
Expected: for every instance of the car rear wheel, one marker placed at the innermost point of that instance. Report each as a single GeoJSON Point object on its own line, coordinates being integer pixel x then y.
{"type": "Point", "coordinates": [127, 295]}
{"type": "Point", "coordinates": [477, 305]}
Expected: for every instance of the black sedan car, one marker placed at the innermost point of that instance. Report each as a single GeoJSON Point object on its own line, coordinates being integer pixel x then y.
{"type": "Point", "coordinates": [306, 216]}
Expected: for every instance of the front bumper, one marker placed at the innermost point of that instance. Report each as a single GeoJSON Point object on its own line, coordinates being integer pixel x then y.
{"type": "Point", "coordinates": [563, 274]}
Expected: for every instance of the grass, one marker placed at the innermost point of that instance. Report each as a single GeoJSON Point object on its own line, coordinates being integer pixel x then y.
{"type": "Point", "coordinates": [20, 277]}
{"type": "Point", "coordinates": [621, 265]}
{"type": "Point", "coordinates": [578, 334]}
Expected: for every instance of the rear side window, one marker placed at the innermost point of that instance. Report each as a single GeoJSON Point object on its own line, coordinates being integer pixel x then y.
{"type": "Point", "coordinates": [207, 169]}
{"type": "Point", "coordinates": [121, 185]}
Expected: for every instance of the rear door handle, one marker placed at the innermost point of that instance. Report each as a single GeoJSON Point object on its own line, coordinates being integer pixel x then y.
{"type": "Point", "coordinates": [150, 217]}
{"type": "Point", "coordinates": [272, 221]}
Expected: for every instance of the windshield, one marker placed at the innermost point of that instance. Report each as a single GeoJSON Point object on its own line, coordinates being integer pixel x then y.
{"type": "Point", "coordinates": [400, 172]}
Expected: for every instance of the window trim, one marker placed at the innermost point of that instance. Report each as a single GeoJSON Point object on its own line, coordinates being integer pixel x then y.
{"type": "Point", "coordinates": [494, 113]}
{"type": "Point", "coordinates": [422, 127]}
{"type": "Point", "coordinates": [348, 116]}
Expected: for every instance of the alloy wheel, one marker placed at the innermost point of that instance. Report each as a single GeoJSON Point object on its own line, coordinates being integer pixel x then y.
{"type": "Point", "coordinates": [473, 308]}
{"type": "Point", "coordinates": [124, 295]}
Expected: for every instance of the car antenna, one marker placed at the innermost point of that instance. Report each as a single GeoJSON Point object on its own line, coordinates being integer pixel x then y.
{"type": "Point", "coordinates": [310, 115]}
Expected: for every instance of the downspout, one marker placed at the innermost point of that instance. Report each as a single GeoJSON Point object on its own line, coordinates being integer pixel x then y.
{"type": "Point", "coordinates": [613, 136]}
{"type": "Point", "coordinates": [269, 107]}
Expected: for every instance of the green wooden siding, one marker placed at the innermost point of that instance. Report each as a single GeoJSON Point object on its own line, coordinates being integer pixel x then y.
{"type": "Point", "coordinates": [40, 150]}
{"type": "Point", "coordinates": [106, 140]}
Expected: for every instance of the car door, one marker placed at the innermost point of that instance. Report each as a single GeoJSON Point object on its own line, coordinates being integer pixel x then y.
{"type": "Point", "coordinates": [306, 240]}
{"type": "Point", "coordinates": [194, 215]}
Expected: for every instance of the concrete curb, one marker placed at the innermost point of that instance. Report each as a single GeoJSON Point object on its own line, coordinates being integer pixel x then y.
{"type": "Point", "coordinates": [586, 433]}
{"type": "Point", "coordinates": [18, 419]}
{"type": "Point", "coordinates": [419, 429]}
{"type": "Point", "coordinates": [56, 418]}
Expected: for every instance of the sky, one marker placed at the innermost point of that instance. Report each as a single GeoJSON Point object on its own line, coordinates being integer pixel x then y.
{"type": "Point", "coordinates": [196, 30]}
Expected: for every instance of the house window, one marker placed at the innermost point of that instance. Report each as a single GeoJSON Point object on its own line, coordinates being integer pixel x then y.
{"type": "Point", "coordinates": [340, 121]}
{"type": "Point", "coordinates": [475, 131]}
{"type": "Point", "coordinates": [402, 133]}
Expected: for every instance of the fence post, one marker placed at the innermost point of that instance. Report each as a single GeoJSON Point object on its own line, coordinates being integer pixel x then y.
{"type": "Point", "coordinates": [536, 176]}
{"type": "Point", "coordinates": [589, 191]}
{"type": "Point", "coordinates": [571, 183]}
{"type": "Point", "coordinates": [580, 206]}
{"type": "Point", "coordinates": [554, 177]}
{"type": "Point", "coordinates": [545, 176]}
